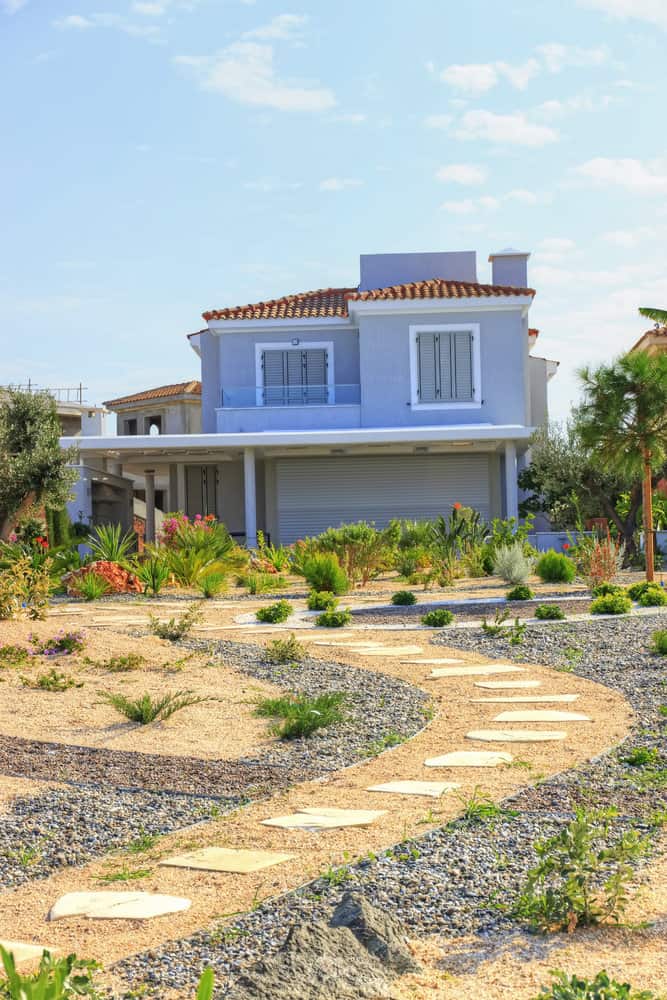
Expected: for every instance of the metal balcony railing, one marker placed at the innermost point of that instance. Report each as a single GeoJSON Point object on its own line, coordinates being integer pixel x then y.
{"type": "Point", "coordinates": [62, 394]}
{"type": "Point", "coordinates": [245, 396]}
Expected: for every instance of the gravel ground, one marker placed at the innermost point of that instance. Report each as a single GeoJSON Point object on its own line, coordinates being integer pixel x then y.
{"type": "Point", "coordinates": [469, 612]}
{"type": "Point", "coordinates": [450, 881]}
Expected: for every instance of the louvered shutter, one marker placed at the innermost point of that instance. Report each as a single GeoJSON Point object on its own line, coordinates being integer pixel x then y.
{"type": "Point", "coordinates": [446, 367]}
{"type": "Point", "coordinates": [462, 354]}
{"type": "Point", "coordinates": [315, 375]}
{"type": "Point", "coordinates": [273, 366]}
{"type": "Point", "coordinates": [427, 348]}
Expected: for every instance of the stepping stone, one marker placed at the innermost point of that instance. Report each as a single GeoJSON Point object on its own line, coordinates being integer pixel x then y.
{"type": "Point", "coordinates": [476, 671]}
{"type": "Point", "coordinates": [515, 735]}
{"type": "Point", "coordinates": [434, 789]}
{"type": "Point", "coordinates": [444, 659]}
{"type": "Point", "coordinates": [394, 651]}
{"type": "Point", "coordinates": [227, 859]}
{"type": "Point", "coordinates": [26, 952]}
{"type": "Point", "coordinates": [526, 698]}
{"type": "Point", "coordinates": [325, 819]}
{"type": "Point", "coordinates": [470, 758]}
{"type": "Point", "coordinates": [542, 715]}
{"type": "Point", "coordinates": [507, 685]}
{"type": "Point", "coordinates": [117, 905]}
{"type": "Point", "coordinates": [348, 645]}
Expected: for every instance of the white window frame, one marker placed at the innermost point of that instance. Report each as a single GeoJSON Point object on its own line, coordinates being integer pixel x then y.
{"type": "Point", "coordinates": [303, 345]}
{"type": "Point", "coordinates": [471, 328]}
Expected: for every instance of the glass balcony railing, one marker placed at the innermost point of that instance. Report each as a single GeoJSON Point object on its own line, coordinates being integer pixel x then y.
{"type": "Point", "coordinates": [244, 396]}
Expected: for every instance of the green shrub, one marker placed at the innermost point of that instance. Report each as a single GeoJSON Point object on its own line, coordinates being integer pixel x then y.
{"type": "Point", "coordinates": [262, 583]}
{"type": "Point", "coordinates": [333, 619]}
{"type": "Point", "coordinates": [52, 681]}
{"type": "Point", "coordinates": [520, 593]}
{"type": "Point", "coordinates": [411, 560]}
{"type": "Point", "coordinates": [437, 618]}
{"type": "Point", "coordinates": [511, 563]}
{"type": "Point", "coordinates": [403, 597]}
{"type": "Point", "coordinates": [566, 987]}
{"type": "Point", "coordinates": [121, 664]}
{"type": "Point", "coordinates": [55, 979]}
{"type": "Point", "coordinates": [285, 650]}
{"type": "Point", "coordinates": [277, 556]}
{"type": "Point", "coordinates": [641, 757]}
{"type": "Point", "coordinates": [176, 628]}
{"type": "Point", "coordinates": [152, 574]}
{"type": "Point", "coordinates": [274, 613]}
{"type": "Point", "coordinates": [324, 572]}
{"type": "Point", "coordinates": [604, 589]}
{"type": "Point", "coordinates": [61, 644]}
{"type": "Point", "coordinates": [147, 709]}
{"type": "Point", "coordinates": [109, 544]}
{"type": "Point", "coordinates": [549, 612]}
{"type": "Point", "coordinates": [612, 604]}
{"type": "Point", "coordinates": [302, 715]}
{"type": "Point", "coordinates": [360, 548]}
{"type": "Point", "coordinates": [581, 877]}
{"type": "Point", "coordinates": [635, 590]}
{"type": "Point", "coordinates": [13, 656]}
{"type": "Point", "coordinates": [554, 567]}
{"type": "Point", "coordinates": [212, 584]}
{"type": "Point", "coordinates": [322, 600]}
{"type": "Point", "coordinates": [653, 597]}
{"type": "Point", "coordinates": [659, 642]}
{"type": "Point", "coordinates": [92, 586]}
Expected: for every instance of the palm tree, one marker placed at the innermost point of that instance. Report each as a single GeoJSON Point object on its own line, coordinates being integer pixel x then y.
{"type": "Point", "coordinates": [623, 420]}
{"type": "Point", "coordinates": [659, 316]}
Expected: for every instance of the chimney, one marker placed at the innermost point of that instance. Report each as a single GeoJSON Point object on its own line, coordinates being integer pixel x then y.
{"type": "Point", "coordinates": [509, 267]}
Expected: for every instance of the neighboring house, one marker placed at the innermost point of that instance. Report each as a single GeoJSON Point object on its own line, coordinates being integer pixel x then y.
{"type": "Point", "coordinates": [396, 398]}
{"type": "Point", "coordinates": [653, 341]}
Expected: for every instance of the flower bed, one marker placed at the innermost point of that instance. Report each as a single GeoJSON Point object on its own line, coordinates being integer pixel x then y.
{"type": "Point", "coordinates": [119, 580]}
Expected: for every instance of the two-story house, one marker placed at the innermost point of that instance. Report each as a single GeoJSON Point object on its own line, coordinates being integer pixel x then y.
{"type": "Point", "coordinates": [414, 390]}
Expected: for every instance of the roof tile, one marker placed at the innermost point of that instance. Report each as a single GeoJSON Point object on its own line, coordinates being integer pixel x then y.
{"type": "Point", "coordinates": [191, 388]}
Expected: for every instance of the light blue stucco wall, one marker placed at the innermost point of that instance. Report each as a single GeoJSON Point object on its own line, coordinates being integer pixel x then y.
{"type": "Point", "coordinates": [209, 346]}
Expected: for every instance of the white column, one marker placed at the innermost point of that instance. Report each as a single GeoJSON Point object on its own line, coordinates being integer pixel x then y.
{"type": "Point", "coordinates": [115, 468]}
{"type": "Point", "coordinates": [250, 495]}
{"type": "Point", "coordinates": [180, 488]}
{"type": "Point", "coordinates": [511, 487]}
{"type": "Point", "coordinates": [149, 477]}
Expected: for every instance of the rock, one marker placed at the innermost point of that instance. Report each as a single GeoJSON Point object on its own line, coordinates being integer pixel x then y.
{"type": "Point", "coordinates": [379, 932]}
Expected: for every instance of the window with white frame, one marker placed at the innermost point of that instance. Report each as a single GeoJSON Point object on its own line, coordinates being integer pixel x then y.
{"type": "Point", "coordinates": [290, 375]}
{"type": "Point", "coordinates": [445, 366]}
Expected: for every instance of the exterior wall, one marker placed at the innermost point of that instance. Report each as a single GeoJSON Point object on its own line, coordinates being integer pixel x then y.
{"type": "Point", "coordinates": [539, 413]}
{"type": "Point", "coordinates": [177, 418]}
{"type": "Point", "coordinates": [380, 270]}
{"type": "Point", "coordinates": [232, 502]}
{"type": "Point", "coordinates": [209, 346]}
{"type": "Point", "coordinates": [233, 420]}
{"type": "Point", "coordinates": [385, 370]}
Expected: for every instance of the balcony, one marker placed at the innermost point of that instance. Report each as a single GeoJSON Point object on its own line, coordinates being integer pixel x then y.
{"type": "Point", "coordinates": [288, 407]}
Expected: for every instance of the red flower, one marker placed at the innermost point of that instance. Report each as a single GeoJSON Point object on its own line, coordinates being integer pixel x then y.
{"type": "Point", "coordinates": [566, 545]}
{"type": "Point", "coordinates": [41, 541]}
{"type": "Point", "coordinates": [457, 506]}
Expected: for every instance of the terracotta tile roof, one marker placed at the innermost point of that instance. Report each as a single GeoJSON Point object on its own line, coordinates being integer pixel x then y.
{"type": "Point", "coordinates": [656, 333]}
{"type": "Point", "coordinates": [533, 332]}
{"type": "Point", "coordinates": [192, 388]}
{"type": "Point", "coordinates": [332, 302]}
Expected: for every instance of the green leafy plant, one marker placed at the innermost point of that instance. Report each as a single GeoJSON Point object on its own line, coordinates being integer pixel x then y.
{"type": "Point", "coordinates": [323, 571]}
{"type": "Point", "coordinates": [479, 808]}
{"type": "Point", "coordinates": [566, 987]}
{"type": "Point", "coordinates": [207, 982]}
{"type": "Point", "coordinates": [361, 549]}
{"type": "Point", "coordinates": [92, 586]}
{"type": "Point", "coordinates": [517, 633]}
{"type": "Point", "coordinates": [322, 600]}
{"type": "Point", "coordinates": [612, 604]}
{"type": "Point", "coordinates": [147, 709]}
{"type": "Point", "coordinates": [554, 567]}
{"type": "Point", "coordinates": [497, 627]}
{"type": "Point", "coordinates": [143, 842]}
{"type": "Point", "coordinates": [403, 597]}
{"type": "Point", "coordinates": [605, 588]}
{"type": "Point", "coordinates": [276, 555]}
{"type": "Point", "coordinates": [578, 881]}
{"type": "Point", "coordinates": [63, 643]}
{"type": "Point", "coordinates": [437, 618]}
{"type": "Point", "coordinates": [13, 656]}
{"type": "Point", "coordinates": [653, 597]}
{"type": "Point", "coordinates": [125, 874]}
{"type": "Point", "coordinates": [176, 628]}
{"type": "Point", "coordinates": [109, 544]}
{"type": "Point", "coordinates": [212, 584]}
{"type": "Point", "coordinates": [333, 619]}
{"type": "Point", "coordinates": [302, 715]}
{"type": "Point", "coordinates": [152, 574]}
{"type": "Point", "coordinates": [55, 979]}
{"type": "Point", "coordinates": [659, 642]}
{"type": "Point", "coordinates": [285, 650]}
{"type": "Point", "coordinates": [520, 593]}
{"type": "Point", "coordinates": [641, 757]}
{"type": "Point", "coordinates": [119, 664]}
{"type": "Point", "coordinates": [52, 681]}
{"type": "Point", "coordinates": [511, 563]}
{"type": "Point", "coordinates": [261, 583]}
{"type": "Point", "coordinates": [275, 613]}
{"type": "Point", "coordinates": [549, 612]}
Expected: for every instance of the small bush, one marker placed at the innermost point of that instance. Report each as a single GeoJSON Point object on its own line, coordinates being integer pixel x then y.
{"type": "Point", "coordinates": [333, 619]}
{"type": "Point", "coordinates": [520, 593]}
{"type": "Point", "coordinates": [54, 979]}
{"type": "Point", "coordinates": [285, 650]}
{"type": "Point", "coordinates": [322, 600]}
{"type": "Point", "coordinates": [152, 574]}
{"type": "Point", "coordinates": [635, 590]}
{"type": "Point", "coordinates": [605, 589]}
{"type": "Point", "coordinates": [549, 612]}
{"type": "Point", "coordinates": [147, 709]}
{"type": "Point", "coordinates": [122, 664]}
{"type": "Point", "coordinates": [301, 714]}
{"type": "Point", "coordinates": [659, 642]}
{"type": "Point", "coordinates": [403, 597]}
{"type": "Point", "coordinates": [641, 757]}
{"type": "Point", "coordinates": [274, 613]}
{"type": "Point", "coordinates": [566, 987]}
{"type": "Point", "coordinates": [324, 572]}
{"type": "Point", "coordinates": [212, 584]}
{"type": "Point", "coordinates": [176, 628]}
{"type": "Point", "coordinates": [437, 618]}
{"type": "Point", "coordinates": [92, 586]}
{"type": "Point", "coordinates": [61, 644]}
{"type": "Point", "coordinates": [653, 597]}
{"type": "Point", "coordinates": [13, 656]}
{"type": "Point", "coordinates": [412, 560]}
{"type": "Point", "coordinates": [511, 563]}
{"type": "Point", "coordinates": [51, 681]}
{"type": "Point", "coordinates": [261, 583]}
{"type": "Point", "coordinates": [612, 604]}
{"type": "Point", "coordinates": [554, 567]}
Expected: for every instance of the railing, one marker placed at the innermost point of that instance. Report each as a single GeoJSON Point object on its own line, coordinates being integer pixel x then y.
{"type": "Point", "coordinates": [62, 394]}
{"type": "Point", "coordinates": [246, 396]}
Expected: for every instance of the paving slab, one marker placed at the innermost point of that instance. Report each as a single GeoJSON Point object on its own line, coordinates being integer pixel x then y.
{"type": "Point", "coordinates": [116, 905]}
{"type": "Point", "coordinates": [523, 699]}
{"type": "Point", "coordinates": [325, 819]}
{"type": "Point", "coordinates": [507, 685]}
{"type": "Point", "coordinates": [442, 659]}
{"type": "Point", "coordinates": [394, 651]}
{"type": "Point", "coordinates": [227, 859]}
{"type": "Point", "coordinates": [476, 670]}
{"type": "Point", "coordinates": [515, 735]}
{"type": "Point", "coordinates": [26, 952]}
{"type": "Point", "coordinates": [433, 789]}
{"type": "Point", "coordinates": [542, 715]}
{"type": "Point", "coordinates": [470, 758]}
{"type": "Point", "coordinates": [348, 645]}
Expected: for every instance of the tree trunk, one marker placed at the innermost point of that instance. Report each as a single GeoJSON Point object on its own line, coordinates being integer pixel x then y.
{"type": "Point", "coordinates": [647, 489]}
{"type": "Point", "coordinates": [8, 523]}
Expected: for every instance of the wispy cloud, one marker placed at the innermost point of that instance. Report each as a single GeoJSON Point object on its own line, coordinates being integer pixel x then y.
{"type": "Point", "coordinates": [77, 22]}
{"type": "Point", "coordinates": [283, 27]}
{"type": "Point", "coordinates": [629, 239]}
{"type": "Point", "coordinates": [486, 203]}
{"type": "Point", "coordinates": [340, 183]}
{"type": "Point", "coordinates": [438, 121]}
{"type": "Point", "coordinates": [634, 175]}
{"type": "Point", "coordinates": [478, 78]}
{"type": "Point", "coordinates": [514, 129]}
{"type": "Point", "coordinates": [650, 11]}
{"type": "Point", "coordinates": [462, 173]}
{"type": "Point", "coordinates": [578, 103]}
{"type": "Point", "coordinates": [12, 6]}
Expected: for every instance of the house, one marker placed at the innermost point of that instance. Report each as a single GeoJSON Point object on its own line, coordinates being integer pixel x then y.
{"type": "Point", "coordinates": [397, 397]}
{"type": "Point", "coordinates": [653, 341]}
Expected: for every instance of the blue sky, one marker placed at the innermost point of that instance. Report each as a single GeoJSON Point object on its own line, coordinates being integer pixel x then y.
{"type": "Point", "coordinates": [162, 158]}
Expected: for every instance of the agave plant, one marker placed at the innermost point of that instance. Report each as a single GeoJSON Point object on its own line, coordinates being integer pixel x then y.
{"type": "Point", "coordinates": [110, 545]}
